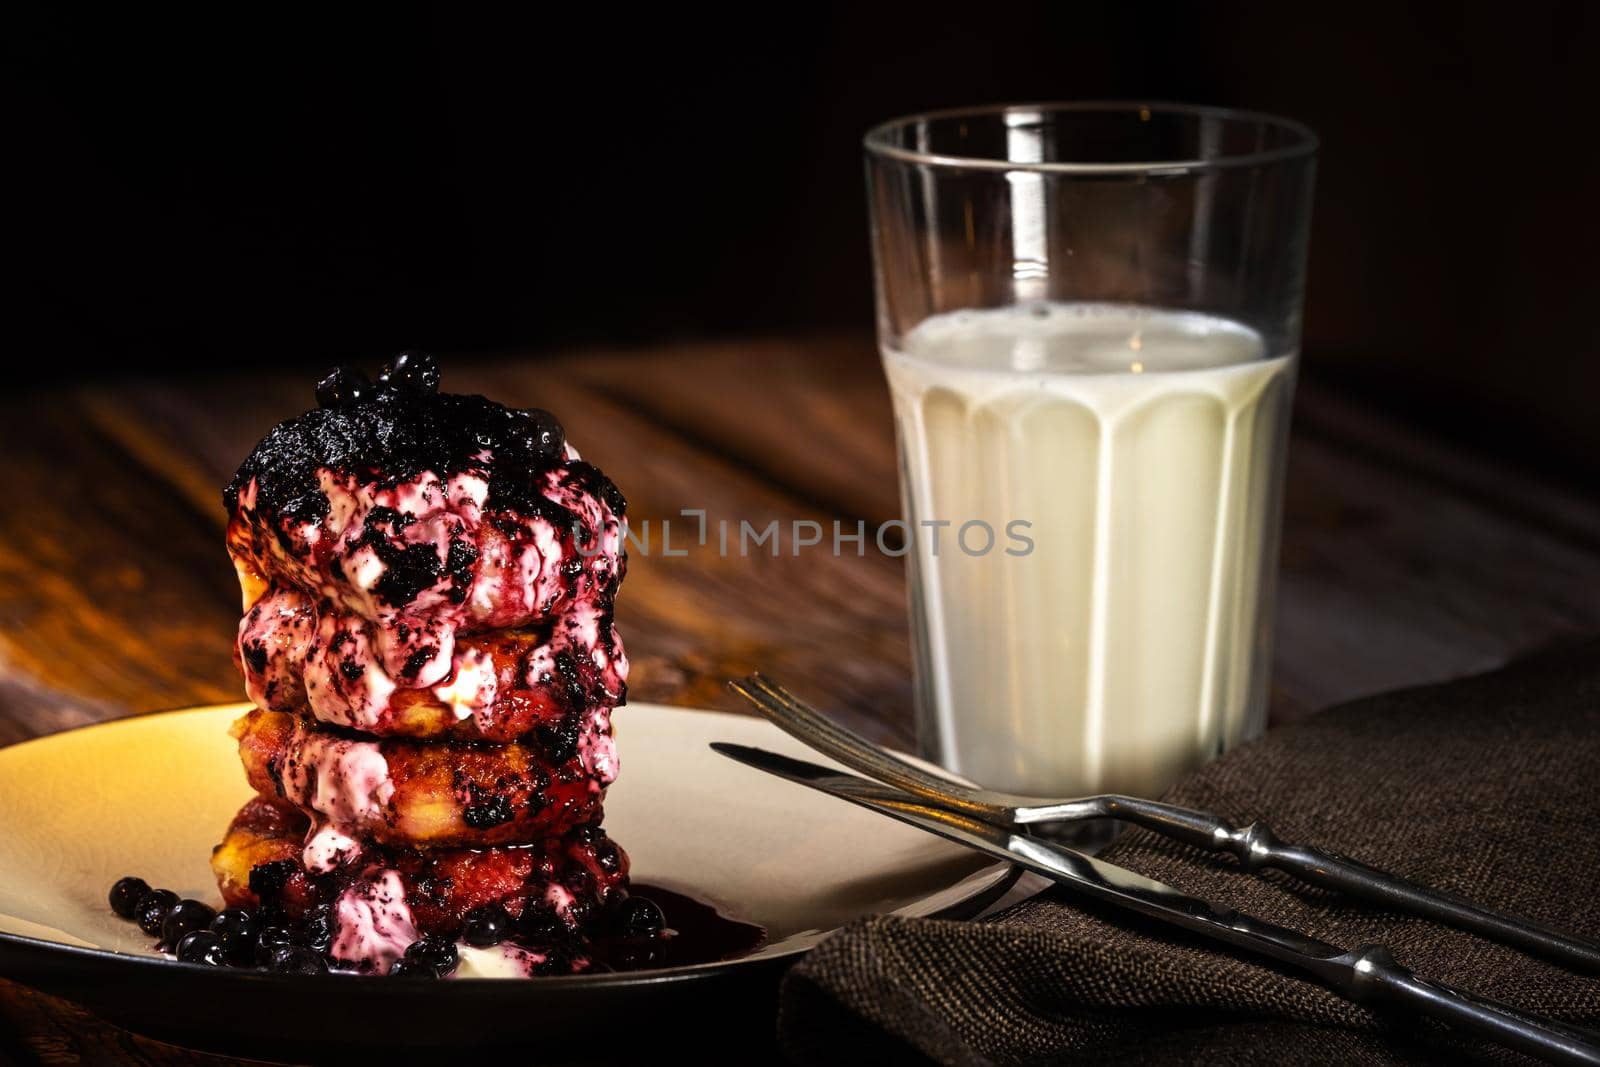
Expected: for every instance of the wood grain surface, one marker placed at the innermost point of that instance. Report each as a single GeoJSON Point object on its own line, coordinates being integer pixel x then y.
{"type": "Point", "coordinates": [1405, 560]}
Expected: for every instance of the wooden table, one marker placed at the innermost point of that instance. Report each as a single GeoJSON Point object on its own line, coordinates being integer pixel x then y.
{"type": "Point", "coordinates": [1404, 560]}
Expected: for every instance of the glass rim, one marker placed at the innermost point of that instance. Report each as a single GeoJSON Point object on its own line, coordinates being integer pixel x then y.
{"type": "Point", "coordinates": [878, 143]}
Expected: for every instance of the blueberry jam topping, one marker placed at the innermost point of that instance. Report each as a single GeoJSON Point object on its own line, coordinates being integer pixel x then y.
{"type": "Point", "coordinates": [486, 810]}
{"type": "Point", "coordinates": [390, 431]}
{"type": "Point", "coordinates": [407, 571]}
{"type": "Point", "coordinates": [268, 879]}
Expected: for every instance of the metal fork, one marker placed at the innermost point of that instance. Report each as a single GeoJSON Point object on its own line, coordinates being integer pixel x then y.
{"type": "Point", "coordinates": [1254, 845]}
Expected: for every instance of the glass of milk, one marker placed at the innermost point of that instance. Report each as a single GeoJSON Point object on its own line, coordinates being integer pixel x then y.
{"type": "Point", "coordinates": [1089, 316]}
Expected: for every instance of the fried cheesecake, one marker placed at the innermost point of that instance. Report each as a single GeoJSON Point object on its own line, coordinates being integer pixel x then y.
{"type": "Point", "coordinates": [428, 641]}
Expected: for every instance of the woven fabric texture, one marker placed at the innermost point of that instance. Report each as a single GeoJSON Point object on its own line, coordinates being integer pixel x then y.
{"type": "Point", "coordinates": [1487, 787]}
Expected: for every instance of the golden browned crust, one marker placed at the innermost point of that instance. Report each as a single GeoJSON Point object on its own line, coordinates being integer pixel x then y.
{"type": "Point", "coordinates": [456, 793]}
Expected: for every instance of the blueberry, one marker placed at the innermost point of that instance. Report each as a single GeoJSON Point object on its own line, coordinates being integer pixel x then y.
{"type": "Point", "coordinates": [410, 968]}
{"type": "Point", "coordinates": [435, 952]}
{"type": "Point", "coordinates": [151, 911]}
{"type": "Point", "coordinates": [296, 959]}
{"type": "Point", "coordinates": [412, 371]}
{"type": "Point", "coordinates": [545, 437]}
{"type": "Point", "coordinates": [125, 895]}
{"type": "Point", "coordinates": [486, 925]}
{"type": "Point", "coordinates": [236, 922]}
{"type": "Point", "coordinates": [270, 940]}
{"type": "Point", "coordinates": [607, 856]}
{"type": "Point", "coordinates": [639, 917]}
{"type": "Point", "coordinates": [541, 925]}
{"type": "Point", "coordinates": [558, 959]}
{"type": "Point", "coordinates": [185, 917]}
{"type": "Point", "coordinates": [237, 928]}
{"type": "Point", "coordinates": [316, 928]}
{"type": "Point", "coordinates": [203, 946]}
{"type": "Point", "coordinates": [341, 386]}
{"type": "Point", "coordinates": [582, 911]}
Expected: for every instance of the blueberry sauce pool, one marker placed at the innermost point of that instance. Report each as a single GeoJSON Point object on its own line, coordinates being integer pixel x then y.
{"type": "Point", "coordinates": [653, 928]}
{"type": "Point", "coordinates": [699, 933]}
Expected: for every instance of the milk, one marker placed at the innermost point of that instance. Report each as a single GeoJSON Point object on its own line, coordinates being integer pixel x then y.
{"type": "Point", "coordinates": [1143, 449]}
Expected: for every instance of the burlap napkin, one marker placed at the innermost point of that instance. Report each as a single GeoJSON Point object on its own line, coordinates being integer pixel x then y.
{"type": "Point", "coordinates": [1487, 787]}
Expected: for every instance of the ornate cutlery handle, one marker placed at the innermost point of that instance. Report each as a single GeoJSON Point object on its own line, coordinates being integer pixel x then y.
{"type": "Point", "coordinates": [1368, 975]}
{"type": "Point", "coordinates": [1376, 979]}
{"type": "Point", "coordinates": [1256, 847]}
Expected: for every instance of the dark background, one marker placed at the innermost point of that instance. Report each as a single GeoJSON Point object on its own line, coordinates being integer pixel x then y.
{"type": "Point", "coordinates": [227, 189]}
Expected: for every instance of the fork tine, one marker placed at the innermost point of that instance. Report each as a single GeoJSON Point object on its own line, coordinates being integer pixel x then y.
{"type": "Point", "coordinates": [809, 726]}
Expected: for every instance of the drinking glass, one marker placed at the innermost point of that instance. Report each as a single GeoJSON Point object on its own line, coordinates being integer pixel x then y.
{"type": "Point", "coordinates": [1089, 316]}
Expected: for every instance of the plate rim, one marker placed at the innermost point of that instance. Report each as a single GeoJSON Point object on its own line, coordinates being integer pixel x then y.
{"type": "Point", "coordinates": [987, 884]}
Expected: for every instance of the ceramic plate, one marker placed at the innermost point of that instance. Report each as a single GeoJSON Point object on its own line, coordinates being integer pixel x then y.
{"type": "Point", "coordinates": [150, 796]}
